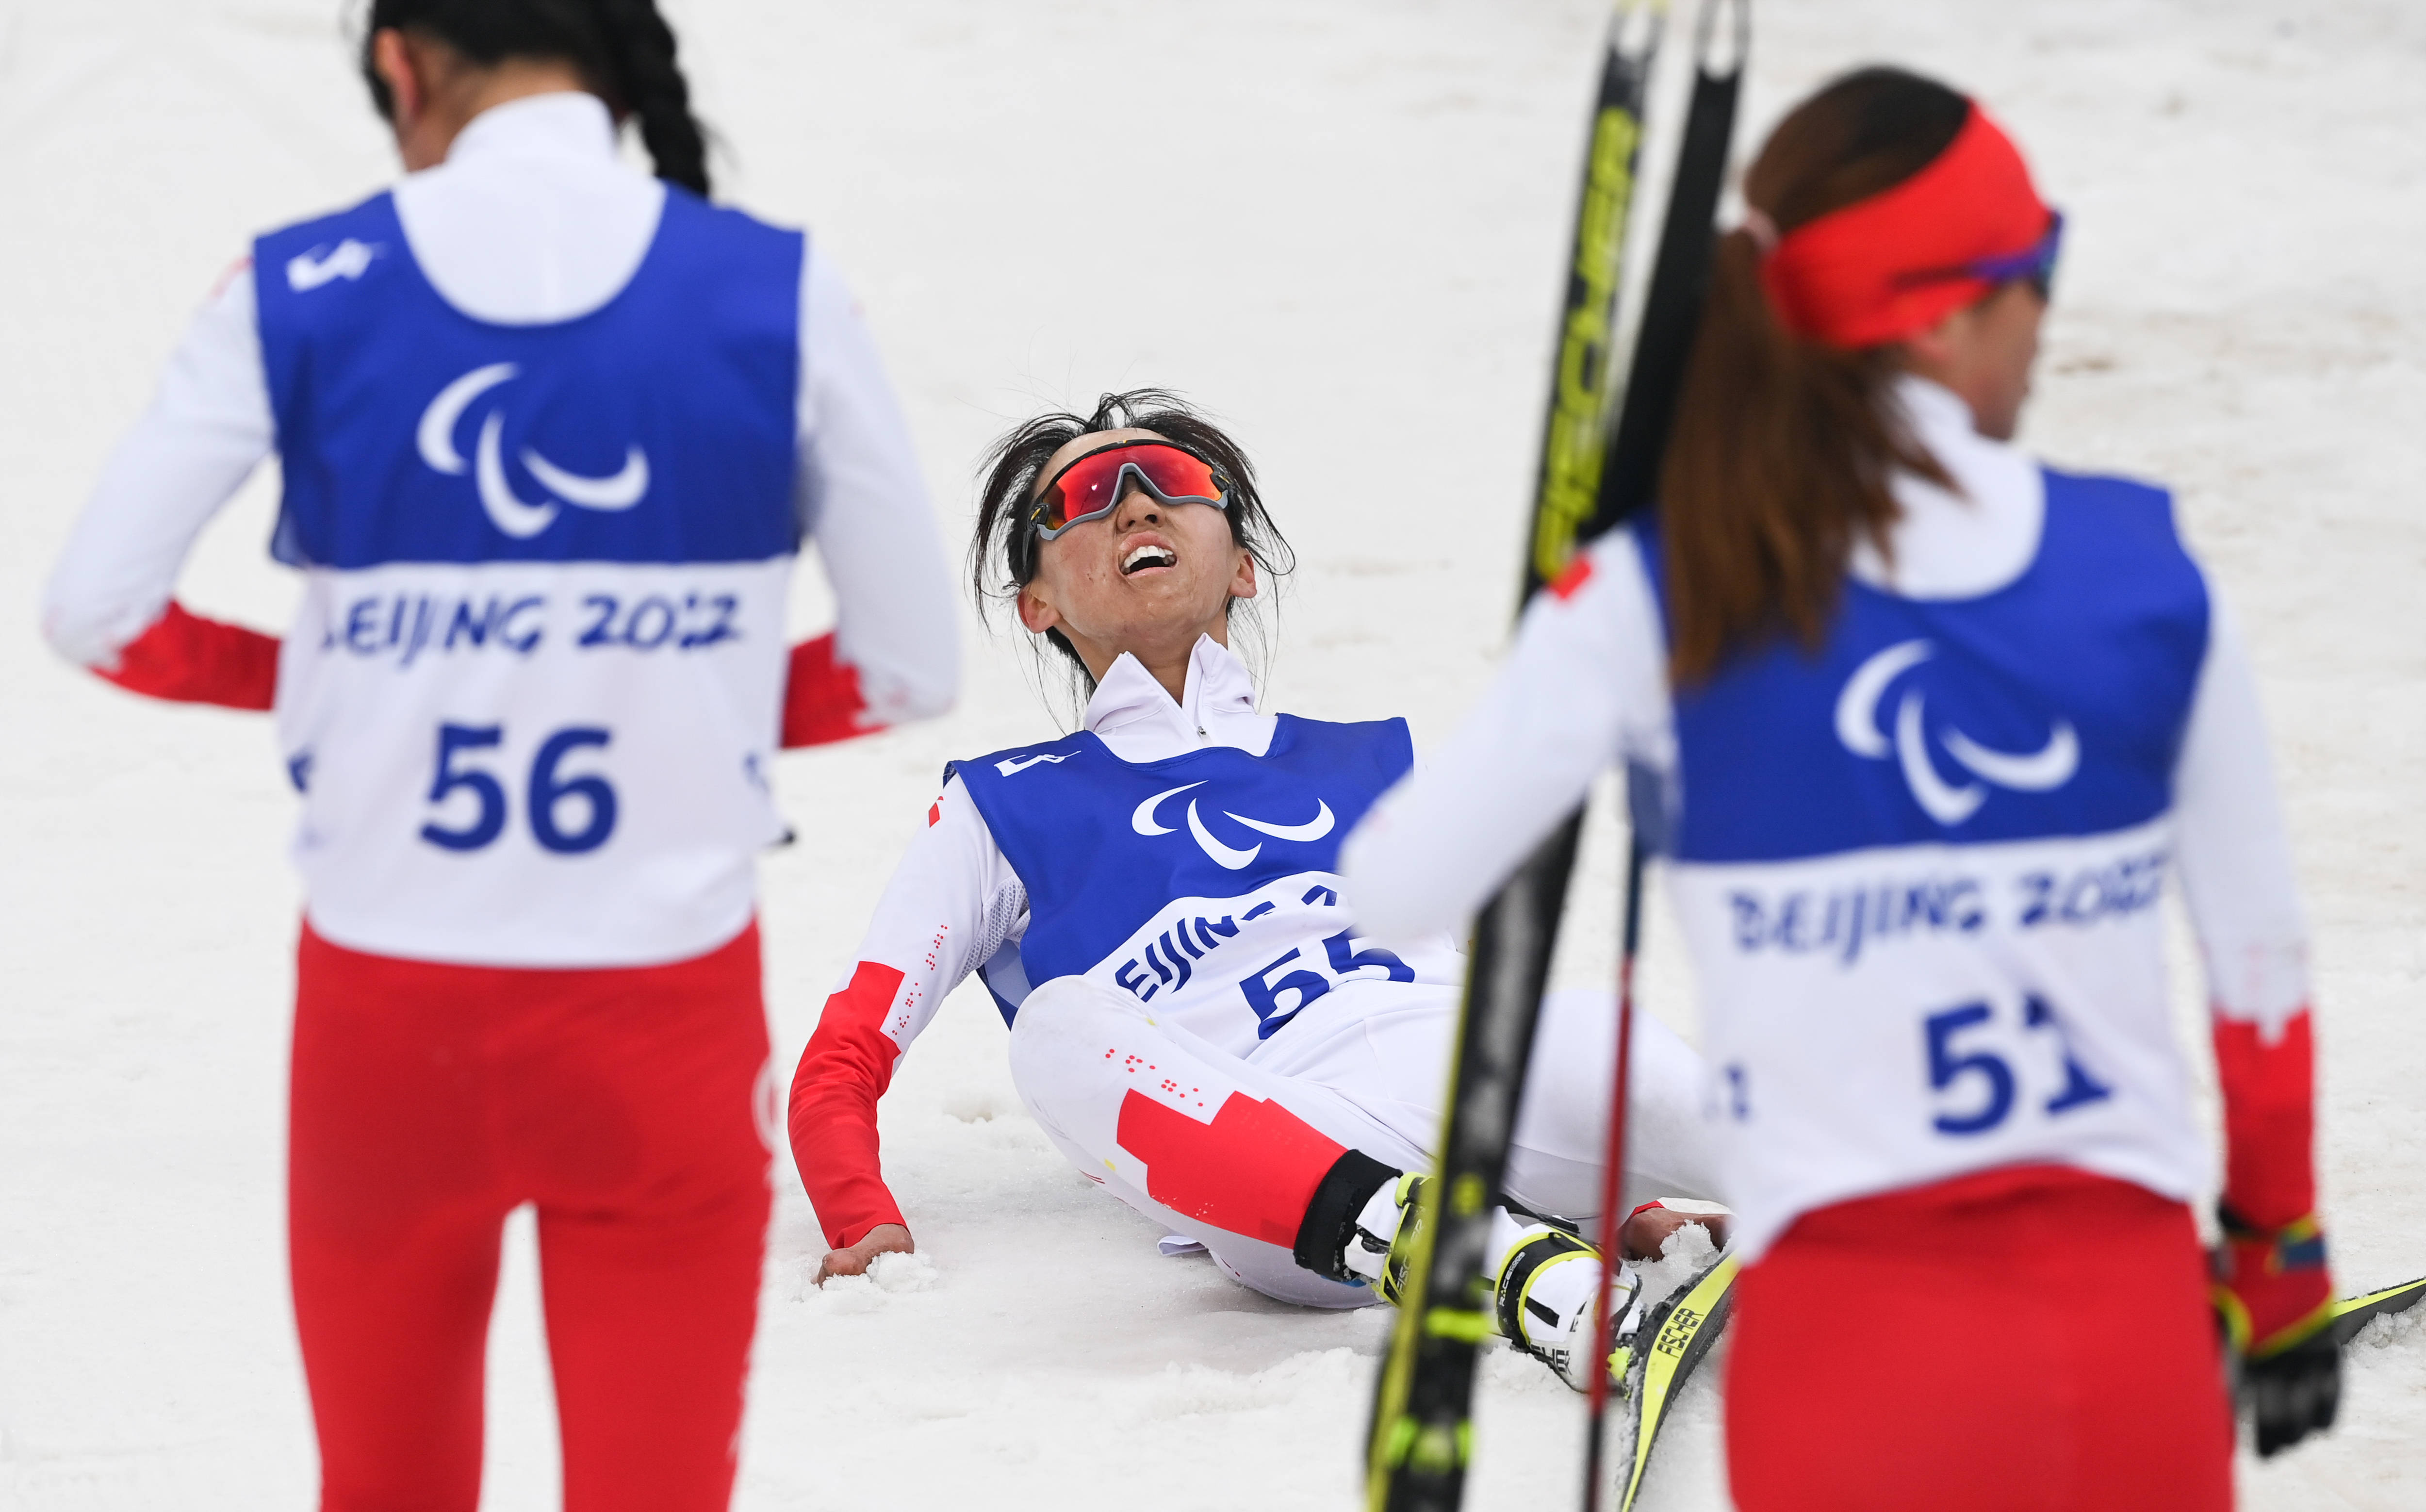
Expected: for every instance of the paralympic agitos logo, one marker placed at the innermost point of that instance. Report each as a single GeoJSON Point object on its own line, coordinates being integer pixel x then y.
{"type": "Point", "coordinates": [1949, 802]}
{"type": "Point", "coordinates": [507, 511]}
{"type": "Point", "coordinates": [1231, 857]}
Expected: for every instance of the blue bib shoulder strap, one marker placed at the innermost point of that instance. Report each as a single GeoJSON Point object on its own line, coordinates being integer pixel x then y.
{"type": "Point", "coordinates": [362, 245]}
{"type": "Point", "coordinates": [1645, 530]}
{"type": "Point", "coordinates": [2052, 705]}
{"type": "Point", "coordinates": [1013, 761]}
{"type": "Point", "coordinates": [661, 426]}
{"type": "Point", "coordinates": [1373, 749]}
{"type": "Point", "coordinates": [2103, 520]}
{"type": "Point", "coordinates": [1386, 744]}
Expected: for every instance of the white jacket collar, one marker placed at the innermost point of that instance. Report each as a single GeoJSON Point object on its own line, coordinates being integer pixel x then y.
{"type": "Point", "coordinates": [1134, 714]}
{"type": "Point", "coordinates": [532, 217]}
{"type": "Point", "coordinates": [567, 124]}
{"type": "Point", "coordinates": [1968, 542]}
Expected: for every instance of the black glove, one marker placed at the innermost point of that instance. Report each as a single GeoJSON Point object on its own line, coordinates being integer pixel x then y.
{"type": "Point", "coordinates": [2294, 1392]}
{"type": "Point", "coordinates": [2274, 1296]}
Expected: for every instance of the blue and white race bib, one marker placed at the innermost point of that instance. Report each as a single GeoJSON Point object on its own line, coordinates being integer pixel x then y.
{"type": "Point", "coordinates": [536, 680]}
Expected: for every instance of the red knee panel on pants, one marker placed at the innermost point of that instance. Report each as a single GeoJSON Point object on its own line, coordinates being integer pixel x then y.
{"type": "Point", "coordinates": [2033, 1338]}
{"type": "Point", "coordinates": [1252, 1170]}
{"type": "Point", "coordinates": [428, 1100]}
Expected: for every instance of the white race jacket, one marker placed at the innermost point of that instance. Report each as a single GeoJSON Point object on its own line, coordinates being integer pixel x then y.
{"type": "Point", "coordinates": [1917, 871]}
{"type": "Point", "coordinates": [614, 623]}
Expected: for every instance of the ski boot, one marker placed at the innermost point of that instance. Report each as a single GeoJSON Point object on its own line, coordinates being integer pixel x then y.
{"type": "Point", "coordinates": [1547, 1299]}
{"type": "Point", "coordinates": [1381, 1246]}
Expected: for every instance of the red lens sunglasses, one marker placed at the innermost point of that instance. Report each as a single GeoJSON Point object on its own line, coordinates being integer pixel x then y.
{"type": "Point", "coordinates": [1094, 485]}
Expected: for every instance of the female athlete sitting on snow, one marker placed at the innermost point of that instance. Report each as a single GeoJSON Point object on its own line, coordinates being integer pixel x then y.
{"type": "Point", "coordinates": [1155, 905]}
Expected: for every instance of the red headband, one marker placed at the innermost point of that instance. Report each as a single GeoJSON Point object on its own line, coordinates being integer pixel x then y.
{"type": "Point", "coordinates": [1847, 279]}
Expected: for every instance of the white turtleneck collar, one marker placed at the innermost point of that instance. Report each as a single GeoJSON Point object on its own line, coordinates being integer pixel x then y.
{"type": "Point", "coordinates": [1135, 716]}
{"type": "Point", "coordinates": [532, 219]}
{"type": "Point", "coordinates": [562, 123]}
{"type": "Point", "coordinates": [1965, 542]}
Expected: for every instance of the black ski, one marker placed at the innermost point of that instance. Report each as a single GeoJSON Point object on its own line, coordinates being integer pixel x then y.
{"type": "Point", "coordinates": [1416, 1450]}
{"type": "Point", "coordinates": [2351, 1315]}
{"type": "Point", "coordinates": [1671, 313]}
{"type": "Point", "coordinates": [1418, 1444]}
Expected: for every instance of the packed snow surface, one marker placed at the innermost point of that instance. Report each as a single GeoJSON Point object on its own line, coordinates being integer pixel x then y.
{"type": "Point", "coordinates": [1337, 222]}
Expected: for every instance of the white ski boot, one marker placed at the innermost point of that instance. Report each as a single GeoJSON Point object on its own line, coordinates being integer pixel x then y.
{"type": "Point", "coordinates": [1548, 1294]}
{"type": "Point", "coordinates": [1382, 1245]}
{"type": "Point", "coordinates": [1545, 1288]}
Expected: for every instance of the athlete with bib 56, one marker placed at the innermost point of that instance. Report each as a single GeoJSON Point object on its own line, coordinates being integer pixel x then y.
{"type": "Point", "coordinates": [552, 433]}
{"type": "Point", "coordinates": [1937, 725]}
{"type": "Point", "coordinates": [1197, 1019]}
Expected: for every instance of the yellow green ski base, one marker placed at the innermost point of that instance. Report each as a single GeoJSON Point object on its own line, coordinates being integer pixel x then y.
{"type": "Point", "coordinates": [2351, 1315]}
{"type": "Point", "coordinates": [1681, 1332]}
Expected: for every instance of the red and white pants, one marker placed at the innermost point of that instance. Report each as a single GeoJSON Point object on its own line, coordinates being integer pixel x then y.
{"type": "Point", "coordinates": [2034, 1339]}
{"type": "Point", "coordinates": [625, 1105]}
{"type": "Point", "coordinates": [1229, 1150]}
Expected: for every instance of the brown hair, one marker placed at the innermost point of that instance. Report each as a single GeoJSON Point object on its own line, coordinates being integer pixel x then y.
{"type": "Point", "coordinates": [1783, 449]}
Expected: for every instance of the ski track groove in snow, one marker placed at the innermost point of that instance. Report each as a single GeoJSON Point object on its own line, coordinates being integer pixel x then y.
{"type": "Point", "coordinates": [1337, 222]}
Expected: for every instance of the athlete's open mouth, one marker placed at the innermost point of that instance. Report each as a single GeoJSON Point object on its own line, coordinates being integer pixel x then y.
{"type": "Point", "coordinates": [1149, 555]}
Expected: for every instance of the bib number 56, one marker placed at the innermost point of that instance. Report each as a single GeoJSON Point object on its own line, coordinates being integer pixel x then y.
{"type": "Point", "coordinates": [547, 792]}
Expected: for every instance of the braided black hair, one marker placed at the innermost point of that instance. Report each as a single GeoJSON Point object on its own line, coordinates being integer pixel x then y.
{"type": "Point", "coordinates": [622, 49]}
{"type": "Point", "coordinates": [1002, 549]}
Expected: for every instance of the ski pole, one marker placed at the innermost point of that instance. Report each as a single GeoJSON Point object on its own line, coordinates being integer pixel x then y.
{"type": "Point", "coordinates": [1420, 1438]}
{"type": "Point", "coordinates": [1612, 1175]}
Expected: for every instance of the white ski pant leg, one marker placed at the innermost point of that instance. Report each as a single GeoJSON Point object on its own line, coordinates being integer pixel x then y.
{"type": "Point", "coordinates": [1563, 1129]}
{"type": "Point", "coordinates": [1092, 1063]}
{"type": "Point", "coordinates": [1366, 1070]}
{"type": "Point", "coordinates": [1394, 1064]}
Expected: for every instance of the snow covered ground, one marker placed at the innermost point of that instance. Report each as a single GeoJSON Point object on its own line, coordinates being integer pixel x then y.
{"type": "Point", "coordinates": [1337, 222]}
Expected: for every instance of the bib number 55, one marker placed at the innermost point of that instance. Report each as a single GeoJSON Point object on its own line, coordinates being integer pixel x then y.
{"type": "Point", "coordinates": [1263, 990]}
{"type": "Point", "coordinates": [546, 792]}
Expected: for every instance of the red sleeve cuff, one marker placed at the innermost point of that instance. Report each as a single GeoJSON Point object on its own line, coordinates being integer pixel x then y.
{"type": "Point", "coordinates": [2268, 1120]}
{"type": "Point", "coordinates": [822, 697]}
{"type": "Point", "coordinates": [846, 1068]}
{"type": "Point", "coordinates": [187, 659]}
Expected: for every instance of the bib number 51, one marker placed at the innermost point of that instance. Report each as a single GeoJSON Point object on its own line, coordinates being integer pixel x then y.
{"type": "Point", "coordinates": [1977, 1088]}
{"type": "Point", "coordinates": [546, 793]}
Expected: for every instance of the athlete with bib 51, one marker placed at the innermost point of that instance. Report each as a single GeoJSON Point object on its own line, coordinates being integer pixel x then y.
{"type": "Point", "coordinates": [1937, 725]}
{"type": "Point", "coordinates": [552, 433]}
{"type": "Point", "coordinates": [1197, 1019]}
